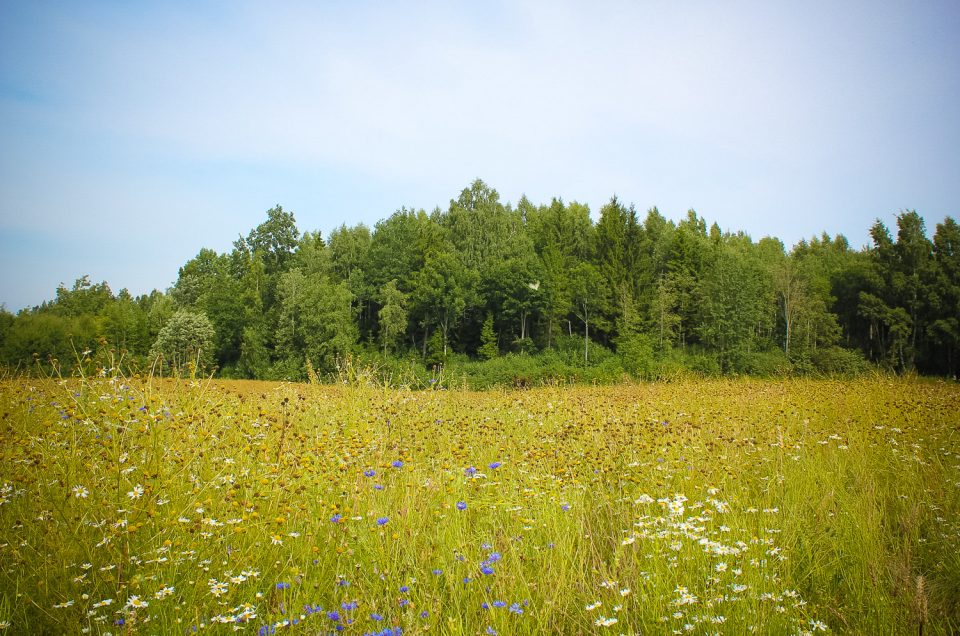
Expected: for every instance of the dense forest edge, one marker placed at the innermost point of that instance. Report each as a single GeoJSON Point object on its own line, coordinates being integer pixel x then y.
{"type": "Point", "coordinates": [485, 294]}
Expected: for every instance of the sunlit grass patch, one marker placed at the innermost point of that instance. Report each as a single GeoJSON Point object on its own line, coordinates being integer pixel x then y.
{"type": "Point", "coordinates": [138, 506]}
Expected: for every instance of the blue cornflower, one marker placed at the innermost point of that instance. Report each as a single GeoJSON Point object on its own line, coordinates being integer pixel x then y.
{"type": "Point", "coordinates": [494, 557]}
{"type": "Point", "coordinates": [484, 605]}
{"type": "Point", "coordinates": [516, 609]}
{"type": "Point", "coordinates": [352, 605]}
{"type": "Point", "coordinates": [382, 521]}
{"type": "Point", "coordinates": [470, 471]}
{"type": "Point", "coordinates": [378, 486]}
{"type": "Point", "coordinates": [423, 614]}
{"type": "Point", "coordinates": [336, 518]}
{"type": "Point", "coordinates": [499, 604]}
{"type": "Point", "coordinates": [404, 589]}
{"type": "Point", "coordinates": [376, 617]}
{"type": "Point", "coordinates": [438, 572]}
{"type": "Point", "coordinates": [369, 472]}
{"type": "Point", "coordinates": [491, 630]}
{"type": "Point", "coordinates": [283, 586]}
{"type": "Point", "coordinates": [461, 505]}
{"type": "Point", "coordinates": [404, 602]}
{"type": "Point", "coordinates": [466, 580]}
{"type": "Point", "coordinates": [334, 615]}
{"type": "Point", "coordinates": [565, 507]}
{"type": "Point", "coordinates": [397, 463]}
{"type": "Point", "coordinates": [495, 465]}
{"type": "Point", "coordinates": [486, 569]}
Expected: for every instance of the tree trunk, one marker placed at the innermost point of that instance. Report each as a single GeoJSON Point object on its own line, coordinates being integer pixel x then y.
{"type": "Point", "coordinates": [586, 338]}
{"type": "Point", "coordinates": [786, 342]}
{"type": "Point", "coordinates": [444, 326]}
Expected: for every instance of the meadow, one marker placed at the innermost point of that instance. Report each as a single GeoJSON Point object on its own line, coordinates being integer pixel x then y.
{"type": "Point", "coordinates": [147, 506]}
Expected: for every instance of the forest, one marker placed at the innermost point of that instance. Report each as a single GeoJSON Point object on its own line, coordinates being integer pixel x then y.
{"type": "Point", "coordinates": [493, 293]}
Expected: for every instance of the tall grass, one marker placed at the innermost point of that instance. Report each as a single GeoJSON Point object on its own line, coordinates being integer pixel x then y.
{"type": "Point", "coordinates": [693, 507]}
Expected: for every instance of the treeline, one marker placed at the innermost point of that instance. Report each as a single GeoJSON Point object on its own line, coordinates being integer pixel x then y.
{"type": "Point", "coordinates": [527, 293]}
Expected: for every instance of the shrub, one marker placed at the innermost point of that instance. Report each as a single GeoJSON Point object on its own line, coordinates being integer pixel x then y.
{"type": "Point", "coordinates": [839, 361]}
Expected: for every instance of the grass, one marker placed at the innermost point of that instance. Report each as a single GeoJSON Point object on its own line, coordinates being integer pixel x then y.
{"type": "Point", "coordinates": [702, 507]}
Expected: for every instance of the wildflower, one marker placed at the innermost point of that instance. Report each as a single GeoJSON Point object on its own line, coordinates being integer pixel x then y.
{"type": "Point", "coordinates": [721, 567]}
{"type": "Point", "coordinates": [136, 493]}
{"type": "Point", "coordinates": [376, 617]}
{"type": "Point", "coordinates": [625, 591]}
{"type": "Point", "coordinates": [565, 507]}
{"type": "Point", "coordinates": [516, 609]}
{"type": "Point", "coordinates": [276, 540]}
{"type": "Point", "coordinates": [382, 521]}
{"type": "Point", "coordinates": [397, 463]}
{"type": "Point", "coordinates": [470, 471]}
{"type": "Point", "coordinates": [605, 622]}
{"type": "Point", "coordinates": [217, 588]}
{"type": "Point", "coordinates": [336, 518]}
{"type": "Point", "coordinates": [80, 492]}
{"type": "Point", "coordinates": [103, 603]}
{"type": "Point", "coordinates": [63, 605]}
{"type": "Point", "coordinates": [486, 569]}
{"type": "Point", "coordinates": [593, 606]}
{"type": "Point", "coordinates": [491, 631]}
{"type": "Point", "coordinates": [369, 472]}
{"type": "Point", "coordinates": [283, 585]}
{"type": "Point", "coordinates": [135, 602]}
{"type": "Point", "coordinates": [495, 465]}
{"type": "Point", "coordinates": [494, 557]}
{"type": "Point", "coordinates": [164, 592]}
{"type": "Point", "coordinates": [461, 505]}
{"type": "Point", "coordinates": [816, 625]}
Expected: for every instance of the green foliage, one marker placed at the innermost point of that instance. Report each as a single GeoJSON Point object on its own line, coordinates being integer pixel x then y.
{"type": "Point", "coordinates": [441, 292]}
{"type": "Point", "coordinates": [393, 315]}
{"type": "Point", "coordinates": [636, 351]}
{"type": "Point", "coordinates": [316, 319]}
{"type": "Point", "coordinates": [836, 361]}
{"type": "Point", "coordinates": [184, 344]}
{"type": "Point", "coordinates": [770, 363]}
{"type": "Point", "coordinates": [659, 298]}
{"type": "Point", "coordinates": [489, 349]}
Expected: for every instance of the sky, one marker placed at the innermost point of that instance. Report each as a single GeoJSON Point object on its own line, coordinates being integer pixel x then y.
{"type": "Point", "coordinates": [133, 134]}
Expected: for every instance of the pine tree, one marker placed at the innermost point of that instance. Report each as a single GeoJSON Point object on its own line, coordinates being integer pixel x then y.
{"type": "Point", "coordinates": [488, 340]}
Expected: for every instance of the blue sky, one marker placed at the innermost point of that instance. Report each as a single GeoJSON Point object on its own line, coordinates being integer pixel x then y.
{"type": "Point", "coordinates": [133, 134]}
